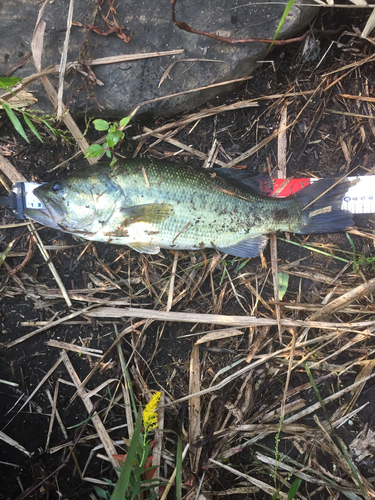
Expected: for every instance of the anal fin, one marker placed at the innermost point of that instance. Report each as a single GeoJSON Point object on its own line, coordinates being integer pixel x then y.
{"type": "Point", "coordinates": [142, 247]}
{"type": "Point", "coordinates": [246, 248]}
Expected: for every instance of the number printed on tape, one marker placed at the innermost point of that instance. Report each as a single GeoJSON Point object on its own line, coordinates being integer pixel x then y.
{"type": "Point", "coordinates": [31, 201]}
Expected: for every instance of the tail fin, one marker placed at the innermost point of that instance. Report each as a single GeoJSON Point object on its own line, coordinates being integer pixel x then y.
{"type": "Point", "coordinates": [322, 206]}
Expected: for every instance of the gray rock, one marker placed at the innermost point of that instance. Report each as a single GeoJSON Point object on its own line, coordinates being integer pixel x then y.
{"type": "Point", "coordinates": [128, 83]}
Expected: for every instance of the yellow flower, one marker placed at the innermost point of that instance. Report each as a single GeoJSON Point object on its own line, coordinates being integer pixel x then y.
{"type": "Point", "coordinates": [150, 416]}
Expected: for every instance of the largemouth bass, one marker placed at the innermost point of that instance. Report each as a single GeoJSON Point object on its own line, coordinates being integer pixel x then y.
{"type": "Point", "coordinates": [149, 205]}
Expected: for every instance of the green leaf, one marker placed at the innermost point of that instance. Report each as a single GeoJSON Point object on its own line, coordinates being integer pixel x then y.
{"type": "Point", "coordinates": [288, 6]}
{"type": "Point", "coordinates": [94, 150]}
{"type": "Point", "coordinates": [101, 493]}
{"type": "Point", "coordinates": [241, 264]}
{"type": "Point", "coordinates": [108, 153]}
{"type": "Point", "coordinates": [31, 126]}
{"type": "Point", "coordinates": [113, 127]}
{"type": "Point", "coordinates": [122, 485]}
{"type": "Point", "coordinates": [15, 121]}
{"type": "Point", "coordinates": [355, 262]}
{"type": "Point", "coordinates": [283, 281]}
{"type": "Point", "coordinates": [49, 126]}
{"type": "Point", "coordinates": [179, 469]}
{"type": "Point", "coordinates": [113, 138]}
{"type": "Point", "coordinates": [294, 488]}
{"type": "Point", "coordinates": [101, 124]}
{"type": "Point", "coordinates": [6, 81]}
{"type": "Point", "coordinates": [124, 121]}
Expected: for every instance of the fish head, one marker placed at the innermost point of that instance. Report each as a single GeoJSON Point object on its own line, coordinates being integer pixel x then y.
{"type": "Point", "coordinates": [78, 203]}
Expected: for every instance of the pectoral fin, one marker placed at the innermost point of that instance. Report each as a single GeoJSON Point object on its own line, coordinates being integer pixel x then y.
{"type": "Point", "coordinates": [153, 213]}
{"type": "Point", "coordinates": [145, 247]}
{"type": "Point", "coordinates": [249, 247]}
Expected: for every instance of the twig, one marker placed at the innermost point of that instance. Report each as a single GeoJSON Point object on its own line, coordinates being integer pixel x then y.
{"type": "Point", "coordinates": [186, 27]}
{"type": "Point", "coordinates": [46, 376]}
{"type": "Point", "coordinates": [194, 409]}
{"type": "Point", "coordinates": [50, 324]}
{"type": "Point", "coordinates": [198, 89]}
{"type": "Point", "coordinates": [75, 348]}
{"type": "Point", "coordinates": [180, 145]}
{"type": "Point", "coordinates": [251, 366]}
{"type": "Point", "coordinates": [51, 265]}
{"type": "Point", "coordinates": [197, 116]}
{"type": "Point", "coordinates": [171, 283]}
{"type": "Point", "coordinates": [173, 476]}
{"type": "Point", "coordinates": [37, 49]}
{"type": "Point", "coordinates": [64, 56]}
{"type": "Point", "coordinates": [270, 490]}
{"type": "Point", "coordinates": [220, 319]}
{"type": "Point", "coordinates": [344, 300]}
{"type": "Point", "coordinates": [95, 419]}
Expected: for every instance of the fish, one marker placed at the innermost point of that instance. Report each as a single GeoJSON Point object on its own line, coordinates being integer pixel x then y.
{"type": "Point", "coordinates": [149, 205]}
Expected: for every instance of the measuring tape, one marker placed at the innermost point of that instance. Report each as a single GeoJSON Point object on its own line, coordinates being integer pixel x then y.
{"type": "Point", "coordinates": [359, 199]}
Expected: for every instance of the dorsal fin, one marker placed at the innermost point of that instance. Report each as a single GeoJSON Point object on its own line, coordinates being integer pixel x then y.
{"type": "Point", "coordinates": [259, 184]}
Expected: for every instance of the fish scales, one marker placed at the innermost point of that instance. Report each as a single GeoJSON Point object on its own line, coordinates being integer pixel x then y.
{"type": "Point", "coordinates": [150, 205]}
{"type": "Point", "coordinates": [199, 205]}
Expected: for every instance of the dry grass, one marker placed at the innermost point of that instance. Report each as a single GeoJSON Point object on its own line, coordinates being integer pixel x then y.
{"type": "Point", "coordinates": [274, 389]}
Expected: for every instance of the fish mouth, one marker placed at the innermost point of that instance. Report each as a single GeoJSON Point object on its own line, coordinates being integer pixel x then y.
{"type": "Point", "coordinates": [51, 214]}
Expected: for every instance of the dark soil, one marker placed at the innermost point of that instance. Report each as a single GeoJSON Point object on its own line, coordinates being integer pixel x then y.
{"type": "Point", "coordinates": [162, 355]}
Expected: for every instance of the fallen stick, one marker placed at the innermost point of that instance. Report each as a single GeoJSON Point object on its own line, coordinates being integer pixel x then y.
{"type": "Point", "coordinates": [219, 319]}
{"type": "Point", "coordinates": [344, 300]}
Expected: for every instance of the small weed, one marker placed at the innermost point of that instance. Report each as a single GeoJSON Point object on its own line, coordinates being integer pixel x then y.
{"type": "Point", "coordinates": [28, 115]}
{"type": "Point", "coordinates": [360, 260]}
{"type": "Point", "coordinates": [288, 6]}
{"type": "Point", "coordinates": [278, 459]}
{"type": "Point", "coordinates": [136, 473]}
{"type": "Point", "coordinates": [115, 134]}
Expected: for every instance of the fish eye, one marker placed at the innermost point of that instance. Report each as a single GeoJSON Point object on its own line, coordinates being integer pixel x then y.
{"type": "Point", "coordinates": [56, 188]}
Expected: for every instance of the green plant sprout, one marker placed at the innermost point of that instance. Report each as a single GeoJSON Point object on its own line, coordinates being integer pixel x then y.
{"type": "Point", "coordinates": [27, 114]}
{"type": "Point", "coordinates": [278, 459]}
{"type": "Point", "coordinates": [115, 134]}
{"type": "Point", "coordinates": [136, 473]}
{"type": "Point", "coordinates": [360, 260]}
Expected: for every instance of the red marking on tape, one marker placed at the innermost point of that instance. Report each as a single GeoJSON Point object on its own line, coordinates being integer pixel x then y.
{"type": "Point", "coordinates": [292, 187]}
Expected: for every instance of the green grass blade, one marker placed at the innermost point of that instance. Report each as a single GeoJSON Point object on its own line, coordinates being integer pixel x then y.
{"type": "Point", "coordinates": [127, 378]}
{"type": "Point", "coordinates": [15, 121]}
{"type": "Point", "coordinates": [294, 488]}
{"type": "Point", "coordinates": [4, 255]}
{"type": "Point", "coordinates": [307, 247]}
{"type": "Point", "coordinates": [283, 281]}
{"type": "Point", "coordinates": [49, 126]}
{"type": "Point", "coordinates": [289, 5]}
{"type": "Point", "coordinates": [119, 493]}
{"type": "Point", "coordinates": [355, 264]}
{"type": "Point", "coordinates": [178, 469]}
{"type": "Point", "coordinates": [31, 126]}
